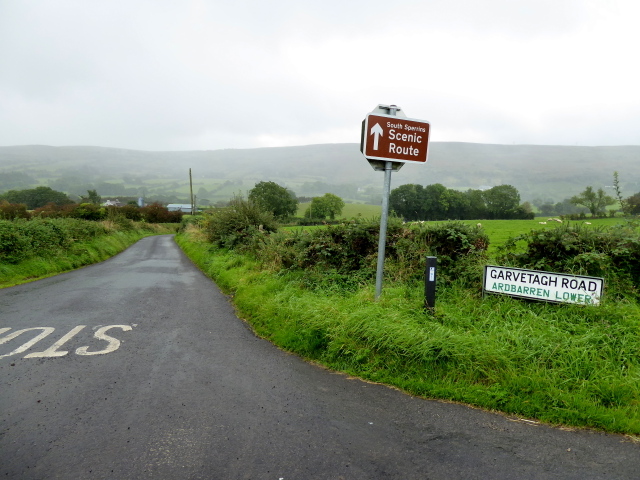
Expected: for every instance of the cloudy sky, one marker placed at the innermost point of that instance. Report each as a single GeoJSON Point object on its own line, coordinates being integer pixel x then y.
{"type": "Point", "coordinates": [210, 74]}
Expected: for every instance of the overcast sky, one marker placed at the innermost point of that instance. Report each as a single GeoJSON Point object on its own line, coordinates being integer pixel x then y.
{"type": "Point", "coordinates": [200, 75]}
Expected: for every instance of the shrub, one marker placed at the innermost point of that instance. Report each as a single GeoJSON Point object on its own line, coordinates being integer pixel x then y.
{"type": "Point", "coordinates": [195, 220]}
{"type": "Point", "coordinates": [346, 247]}
{"type": "Point", "coordinates": [452, 240]}
{"type": "Point", "coordinates": [351, 249]}
{"type": "Point", "coordinates": [307, 222]}
{"type": "Point", "coordinates": [461, 249]}
{"type": "Point", "coordinates": [10, 211]}
{"type": "Point", "coordinates": [51, 210]}
{"type": "Point", "coordinates": [45, 237]}
{"type": "Point", "coordinates": [238, 223]}
{"type": "Point", "coordinates": [157, 213]}
{"type": "Point", "coordinates": [132, 212]}
{"type": "Point", "coordinates": [21, 239]}
{"type": "Point", "coordinates": [13, 246]}
{"type": "Point", "coordinates": [88, 211]}
{"type": "Point", "coordinates": [612, 253]}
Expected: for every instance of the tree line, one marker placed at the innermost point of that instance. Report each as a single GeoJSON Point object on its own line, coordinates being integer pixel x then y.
{"type": "Point", "coordinates": [411, 202]}
{"type": "Point", "coordinates": [596, 202]}
{"type": "Point", "coordinates": [44, 202]}
{"type": "Point", "coordinates": [437, 202]}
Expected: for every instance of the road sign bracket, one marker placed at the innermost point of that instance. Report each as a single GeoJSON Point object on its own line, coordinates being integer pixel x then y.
{"type": "Point", "coordinates": [389, 110]}
{"type": "Point", "coordinates": [379, 165]}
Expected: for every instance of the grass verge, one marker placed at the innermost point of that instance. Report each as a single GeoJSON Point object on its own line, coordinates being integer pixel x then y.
{"type": "Point", "coordinates": [561, 364]}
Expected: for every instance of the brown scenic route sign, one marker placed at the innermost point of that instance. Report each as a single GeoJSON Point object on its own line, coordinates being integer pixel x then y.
{"type": "Point", "coordinates": [396, 139]}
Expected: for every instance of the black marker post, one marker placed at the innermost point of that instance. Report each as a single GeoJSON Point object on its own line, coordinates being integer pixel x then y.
{"type": "Point", "coordinates": [430, 284]}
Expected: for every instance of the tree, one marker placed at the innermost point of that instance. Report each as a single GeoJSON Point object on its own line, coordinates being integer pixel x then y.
{"type": "Point", "coordinates": [334, 204]}
{"type": "Point", "coordinates": [459, 205]}
{"type": "Point", "coordinates": [634, 204]}
{"type": "Point", "coordinates": [596, 202]}
{"type": "Point", "coordinates": [624, 204]}
{"type": "Point", "coordinates": [527, 207]}
{"type": "Point", "coordinates": [436, 202]}
{"type": "Point", "coordinates": [91, 197]}
{"type": "Point", "coordinates": [316, 209]}
{"type": "Point", "coordinates": [329, 205]}
{"type": "Point", "coordinates": [502, 201]}
{"type": "Point", "coordinates": [36, 197]}
{"type": "Point", "coordinates": [275, 199]}
{"type": "Point", "coordinates": [477, 204]}
{"type": "Point", "coordinates": [407, 201]}
{"type": "Point", "coordinates": [565, 207]}
{"type": "Point", "coordinates": [547, 209]}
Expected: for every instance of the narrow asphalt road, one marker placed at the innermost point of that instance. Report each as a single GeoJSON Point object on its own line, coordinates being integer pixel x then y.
{"type": "Point", "coordinates": [138, 368]}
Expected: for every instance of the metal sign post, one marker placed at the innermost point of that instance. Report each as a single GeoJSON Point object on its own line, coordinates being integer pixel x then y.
{"type": "Point", "coordinates": [388, 140]}
{"type": "Point", "coordinates": [384, 218]}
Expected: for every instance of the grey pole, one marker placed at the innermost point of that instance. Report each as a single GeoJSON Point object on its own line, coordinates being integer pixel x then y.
{"type": "Point", "coordinates": [382, 240]}
{"type": "Point", "coordinates": [191, 192]}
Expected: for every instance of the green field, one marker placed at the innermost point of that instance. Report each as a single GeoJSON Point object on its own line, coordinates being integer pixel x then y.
{"type": "Point", "coordinates": [499, 231]}
{"type": "Point", "coordinates": [349, 211]}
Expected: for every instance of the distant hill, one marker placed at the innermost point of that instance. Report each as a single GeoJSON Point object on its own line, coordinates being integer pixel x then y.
{"type": "Point", "coordinates": [537, 171]}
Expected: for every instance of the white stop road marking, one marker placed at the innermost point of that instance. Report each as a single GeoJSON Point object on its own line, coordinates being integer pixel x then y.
{"type": "Point", "coordinates": [55, 350]}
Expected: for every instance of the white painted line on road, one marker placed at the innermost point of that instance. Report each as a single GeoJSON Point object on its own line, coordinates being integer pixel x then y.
{"type": "Point", "coordinates": [54, 350]}
{"type": "Point", "coordinates": [26, 346]}
{"type": "Point", "coordinates": [100, 334]}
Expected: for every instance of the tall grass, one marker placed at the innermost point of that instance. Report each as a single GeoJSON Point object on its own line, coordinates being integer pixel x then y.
{"type": "Point", "coordinates": [563, 364]}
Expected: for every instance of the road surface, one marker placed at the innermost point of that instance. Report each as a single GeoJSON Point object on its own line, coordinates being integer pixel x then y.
{"type": "Point", "coordinates": [137, 368]}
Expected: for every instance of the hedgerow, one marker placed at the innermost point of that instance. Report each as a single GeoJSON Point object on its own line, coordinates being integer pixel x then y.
{"type": "Point", "coordinates": [22, 239]}
{"type": "Point", "coordinates": [612, 253]}
{"type": "Point", "coordinates": [152, 213]}
{"type": "Point", "coordinates": [347, 252]}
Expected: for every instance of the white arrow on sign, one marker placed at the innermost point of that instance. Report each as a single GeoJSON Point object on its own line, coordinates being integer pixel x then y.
{"type": "Point", "coordinates": [377, 131]}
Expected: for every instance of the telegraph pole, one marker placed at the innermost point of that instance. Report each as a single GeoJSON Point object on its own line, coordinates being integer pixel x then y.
{"type": "Point", "coordinates": [193, 207]}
